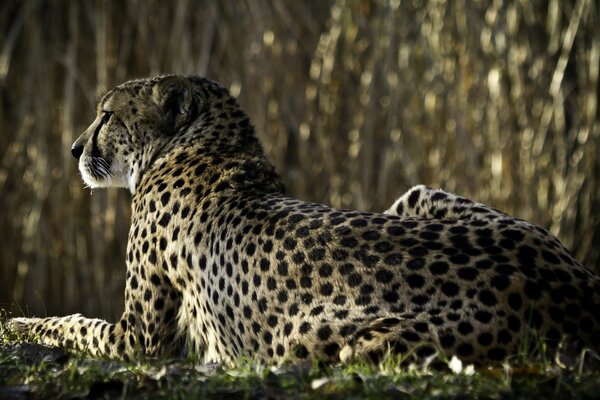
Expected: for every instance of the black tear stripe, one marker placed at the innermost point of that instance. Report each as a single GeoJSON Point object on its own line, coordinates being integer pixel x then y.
{"type": "Point", "coordinates": [95, 150]}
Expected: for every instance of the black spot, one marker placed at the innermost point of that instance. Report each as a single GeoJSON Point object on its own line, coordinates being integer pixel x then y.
{"type": "Point", "coordinates": [301, 352]}
{"type": "Point", "coordinates": [291, 284]}
{"type": "Point", "coordinates": [304, 327]}
{"type": "Point", "coordinates": [563, 276]}
{"type": "Point", "coordinates": [410, 336]}
{"type": "Point", "coordinates": [487, 297]}
{"type": "Point", "coordinates": [305, 282]}
{"type": "Point", "coordinates": [250, 249]}
{"type": "Point", "coordinates": [415, 263]}
{"type": "Point", "coordinates": [326, 289]}
{"type": "Point", "coordinates": [294, 309]}
{"type": "Point", "coordinates": [413, 197]}
{"type": "Point", "coordinates": [556, 314]}
{"type": "Point", "coordinates": [347, 330]}
{"type": "Point", "coordinates": [152, 256]}
{"type": "Point", "coordinates": [349, 242]}
{"type": "Point", "coordinates": [460, 259]}
{"type": "Point", "coordinates": [395, 230]}
{"type": "Point", "coordinates": [415, 281]}
{"type": "Point", "coordinates": [307, 298]}
{"type": "Point", "coordinates": [484, 264]}
{"type": "Point", "coordinates": [513, 234]}
{"type": "Point", "coordinates": [439, 268]}
{"type": "Point", "coordinates": [268, 337]}
{"type": "Point", "coordinates": [265, 264]}
{"type": "Point", "coordinates": [272, 321]}
{"type": "Point", "coordinates": [331, 349]}
{"type": "Point", "coordinates": [282, 296]}
{"type": "Point", "coordinates": [420, 300]}
{"type": "Point", "coordinates": [532, 290]}
{"type": "Point", "coordinates": [282, 268]}
{"type": "Point", "coordinates": [268, 246]}
{"type": "Point", "coordinates": [464, 350]}
{"type": "Point", "coordinates": [289, 243]}
{"type": "Point", "coordinates": [450, 289]}
{"type": "Point", "coordinates": [298, 258]}
{"type": "Point", "coordinates": [526, 255]}
{"type": "Point", "coordinates": [316, 254]}
{"type": "Point", "coordinates": [586, 325]}
{"type": "Point", "coordinates": [325, 270]}
{"type": "Point", "coordinates": [500, 282]}
{"type": "Point", "coordinates": [497, 354]}
{"type": "Point", "coordinates": [568, 291]}
{"type": "Point", "coordinates": [155, 279]}
{"type": "Point", "coordinates": [504, 337]}
{"type": "Point", "coordinates": [359, 223]}
{"type": "Point", "coordinates": [418, 251]}
{"type": "Point", "coordinates": [383, 247]}
{"type": "Point", "coordinates": [383, 275]}
{"type": "Point", "coordinates": [339, 254]}
{"type": "Point", "coordinates": [465, 328]}
{"type": "Point", "coordinates": [164, 199]}
{"type": "Point", "coordinates": [483, 316]}
{"type": "Point", "coordinates": [421, 327]}
{"type": "Point", "coordinates": [393, 259]}
{"type": "Point", "coordinates": [551, 258]}
{"type": "Point", "coordinates": [371, 235]}
{"type": "Point", "coordinates": [514, 323]}
{"type": "Point", "coordinates": [316, 311]}
{"type": "Point", "coordinates": [324, 332]}
{"type": "Point", "coordinates": [354, 279]}
{"type": "Point", "coordinates": [133, 282]}
{"type": "Point", "coordinates": [390, 297]}
{"type": "Point", "coordinates": [468, 273]}
{"type": "Point", "coordinates": [447, 341]}
{"type": "Point", "coordinates": [485, 338]}
{"type": "Point", "coordinates": [515, 301]}
{"type": "Point", "coordinates": [164, 220]}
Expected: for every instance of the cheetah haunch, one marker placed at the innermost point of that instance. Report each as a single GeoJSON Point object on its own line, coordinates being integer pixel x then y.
{"type": "Point", "coordinates": [222, 263]}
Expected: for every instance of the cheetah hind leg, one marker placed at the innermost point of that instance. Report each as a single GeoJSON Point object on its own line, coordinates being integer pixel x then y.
{"type": "Point", "coordinates": [423, 202]}
{"type": "Point", "coordinates": [411, 338]}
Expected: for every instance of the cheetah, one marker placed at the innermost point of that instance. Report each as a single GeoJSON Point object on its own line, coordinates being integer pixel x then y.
{"type": "Point", "coordinates": [222, 263]}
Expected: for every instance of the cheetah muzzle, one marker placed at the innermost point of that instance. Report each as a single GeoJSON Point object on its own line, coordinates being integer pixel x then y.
{"type": "Point", "coordinates": [222, 263]}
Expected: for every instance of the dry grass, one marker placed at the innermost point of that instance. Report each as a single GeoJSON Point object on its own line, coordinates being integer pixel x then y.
{"type": "Point", "coordinates": [355, 101]}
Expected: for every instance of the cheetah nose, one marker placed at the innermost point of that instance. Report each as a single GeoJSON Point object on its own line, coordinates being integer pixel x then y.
{"type": "Point", "coordinates": [77, 150]}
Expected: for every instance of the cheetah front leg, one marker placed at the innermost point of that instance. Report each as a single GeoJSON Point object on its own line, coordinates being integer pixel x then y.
{"type": "Point", "coordinates": [94, 336]}
{"type": "Point", "coordinates": [149, 330]}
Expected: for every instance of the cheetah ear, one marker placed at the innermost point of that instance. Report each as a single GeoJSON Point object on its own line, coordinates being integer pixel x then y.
{"type": "Point", "coordinates": [174, 96]}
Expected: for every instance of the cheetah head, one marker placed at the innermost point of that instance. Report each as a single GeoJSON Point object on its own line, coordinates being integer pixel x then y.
{"type": "Point", "coordinates": [140, 120]}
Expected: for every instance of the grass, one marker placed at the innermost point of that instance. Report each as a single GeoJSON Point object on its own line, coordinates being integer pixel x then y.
{"type": "Point", "coordinates": [34, 371]}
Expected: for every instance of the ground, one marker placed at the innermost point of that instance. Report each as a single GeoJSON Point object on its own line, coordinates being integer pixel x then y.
{"type": "Point", "coordinates": [35, 371]}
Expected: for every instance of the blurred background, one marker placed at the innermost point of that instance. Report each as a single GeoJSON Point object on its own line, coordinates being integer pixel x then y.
{"type": "Point", "coordinates": [354, 100]}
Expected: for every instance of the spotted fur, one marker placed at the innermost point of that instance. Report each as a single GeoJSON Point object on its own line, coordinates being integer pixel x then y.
{"type": "Point", "coordinates": [223, 263]}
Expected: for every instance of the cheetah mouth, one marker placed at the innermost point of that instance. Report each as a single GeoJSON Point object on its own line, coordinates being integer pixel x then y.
{"type": "Point", "coordinates": [103, 172]}
{"type": "Point", "coordinates": [96, 171]}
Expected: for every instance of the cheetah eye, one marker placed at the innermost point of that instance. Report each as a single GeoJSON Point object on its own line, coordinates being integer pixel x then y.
{"type": "Point", "coordinates": [105, 117]}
